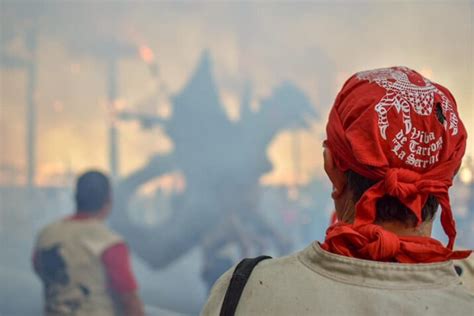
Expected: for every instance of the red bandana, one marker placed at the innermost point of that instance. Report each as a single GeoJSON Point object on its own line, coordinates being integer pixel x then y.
{"type": "Point", "coordinates": [396, 127]}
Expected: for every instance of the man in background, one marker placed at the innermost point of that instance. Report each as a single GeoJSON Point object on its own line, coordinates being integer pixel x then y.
{"type": "Point", "coordinates": [83, 265]}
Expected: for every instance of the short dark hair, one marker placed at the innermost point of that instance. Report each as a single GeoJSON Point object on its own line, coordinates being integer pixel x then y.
{"type": "Point", "coordinates": [92, 191]}
{"type": "Point", "coordinates": [389, 208]}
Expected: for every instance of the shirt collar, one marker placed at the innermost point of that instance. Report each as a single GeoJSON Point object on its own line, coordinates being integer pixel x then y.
{"type": "Point", "coordinates": [81, 216]}
{"type": "Point", "coordinates": [378, 274]}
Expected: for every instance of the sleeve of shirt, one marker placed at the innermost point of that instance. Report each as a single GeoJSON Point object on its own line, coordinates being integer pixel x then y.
{"type": "Point", "coordinates": [117, 265]}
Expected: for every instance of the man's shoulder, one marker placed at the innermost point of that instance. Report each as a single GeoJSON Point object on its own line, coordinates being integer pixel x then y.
{"type": "Point", "coordinates": [51, 228]}
{"type": "Point", "coordinates": [465, 269]}
{"type": "Point", "coordinates": [98, 237]}
{"type": "Point", "coordinates": [264, 271]}
{"type": "Point", "coordinates": [87, 225]}
{"type": "Point", "coordinates": [95, 234]}
{"type": "Point", "coordinates": [271, 267]}
{"type": "Point", "coordinates": [102, 228]}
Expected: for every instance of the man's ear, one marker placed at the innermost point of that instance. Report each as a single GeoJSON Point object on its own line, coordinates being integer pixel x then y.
{"type": "Point", "coordinates": [336, 176]}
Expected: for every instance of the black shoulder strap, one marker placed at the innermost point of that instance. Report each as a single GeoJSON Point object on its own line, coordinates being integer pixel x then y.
{"type": "Point", "coordinates": [237, 283]}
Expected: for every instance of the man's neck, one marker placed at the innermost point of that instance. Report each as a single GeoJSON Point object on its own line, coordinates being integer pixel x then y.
{"type": "Point", "coordinates": [422, 230]}
{"type": "Point", "coordinates": [79, 215]}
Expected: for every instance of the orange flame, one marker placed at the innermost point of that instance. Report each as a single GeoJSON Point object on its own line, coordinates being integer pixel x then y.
{"type": "Point", "coordinates": [146, 54]}
{"type": "Point", "coordinates": [58, 106]}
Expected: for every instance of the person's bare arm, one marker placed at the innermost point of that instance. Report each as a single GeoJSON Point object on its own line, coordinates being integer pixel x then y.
{"type": "Point", "coordinates": [131, 304]}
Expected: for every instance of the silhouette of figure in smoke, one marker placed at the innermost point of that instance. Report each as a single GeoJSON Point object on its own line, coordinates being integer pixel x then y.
{"type": "Point", "coordinates": [222, 162]}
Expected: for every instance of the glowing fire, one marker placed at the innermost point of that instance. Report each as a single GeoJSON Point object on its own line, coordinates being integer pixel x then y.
{"type": "Point", "coordinates": [146, 54]}
{"type": "Point", "coordinates": [58, 106]}
{"type": "Point", "coordinates": [466, 175]}
{"type": "Point", "coordinates": [169, 183]}
{"type": "Point", "coordinates": [75, 68]}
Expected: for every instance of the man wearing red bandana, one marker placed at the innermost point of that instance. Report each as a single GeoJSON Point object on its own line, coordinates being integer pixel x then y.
{"type": "Point", "coordinates": [394, 144]}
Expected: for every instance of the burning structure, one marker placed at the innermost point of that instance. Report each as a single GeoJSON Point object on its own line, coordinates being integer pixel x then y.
{"type": "Point", "coordinates": [221, 162]}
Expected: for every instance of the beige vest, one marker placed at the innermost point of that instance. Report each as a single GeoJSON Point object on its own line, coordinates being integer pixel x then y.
{"type": "Point", "coordinates": [316, 282]}
{"type": "Point", "coordinates": [76, 283]}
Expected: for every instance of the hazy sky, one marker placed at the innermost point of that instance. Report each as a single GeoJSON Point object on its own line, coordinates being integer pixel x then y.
{"type": "Point", "coordinates": [317, 45]}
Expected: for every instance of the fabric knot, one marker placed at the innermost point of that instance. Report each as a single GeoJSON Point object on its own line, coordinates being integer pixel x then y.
{"type": "Point", "coordinates": [381, 244]}
{"type": "Point", "coordinates": [401, 183]}
{"type": "Point", "coordinates": [373, 242]}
